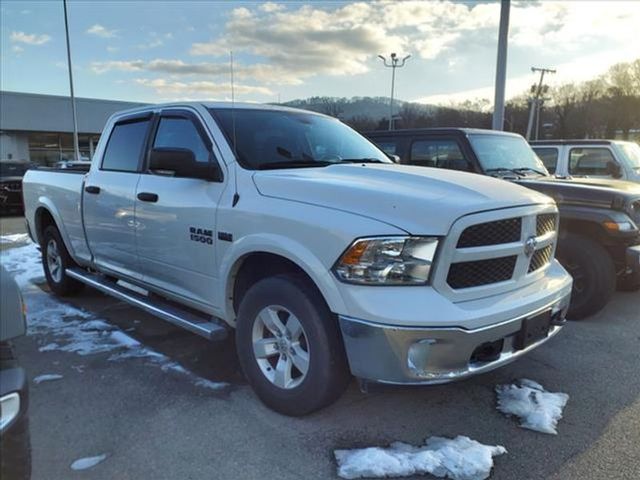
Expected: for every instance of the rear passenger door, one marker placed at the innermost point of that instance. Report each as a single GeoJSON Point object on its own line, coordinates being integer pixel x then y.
{"type": "Point", "coordinates": [109, 198]}
{"type": "Point", "coordinates": [439, 152]}
{"type": "Point", "coordinates": [176, 216]}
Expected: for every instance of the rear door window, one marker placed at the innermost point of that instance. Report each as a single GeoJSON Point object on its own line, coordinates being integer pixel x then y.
{"type": "Point", "coordinates": [590, 161]}
{"type": "Point", "coordinates": [549, 157]}
{"type": "Point", "coordinates": [125, 146]}
{"type": "Point", "coordinates": [439, 153]}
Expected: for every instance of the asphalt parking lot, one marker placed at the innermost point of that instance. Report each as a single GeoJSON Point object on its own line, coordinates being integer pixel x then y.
{"type": "Point", "coordinates": [161, 423]}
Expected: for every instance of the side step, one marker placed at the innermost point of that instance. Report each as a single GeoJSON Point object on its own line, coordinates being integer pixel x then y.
{"type": "Point", "coordinates": [198, 324]}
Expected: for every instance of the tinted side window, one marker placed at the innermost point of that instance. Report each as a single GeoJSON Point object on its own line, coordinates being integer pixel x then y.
{"type": "Point", "coordinates": [549, 157]}
{"type": "Point", "coordinates": [125, 146]}
{"type": "Point", "coordinates": [439, 154]}
{"type": "Point", "coordinates": [175, 132]}
{"type": "Point", "coordinates": [387, 146]}
{"type": "Point", "coordinates": [590, 161]}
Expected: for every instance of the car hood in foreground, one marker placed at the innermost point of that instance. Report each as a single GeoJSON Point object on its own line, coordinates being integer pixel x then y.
{"type": "Point", "coordinates": [419, 200]}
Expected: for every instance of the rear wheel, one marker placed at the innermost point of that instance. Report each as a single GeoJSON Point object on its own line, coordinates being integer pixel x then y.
{"type": "Point", "coordinates": [55, 261]}
{"type": "Point", "coordinates": [593, 272]}
{"type": "Point", "coordinates": [289, 346]}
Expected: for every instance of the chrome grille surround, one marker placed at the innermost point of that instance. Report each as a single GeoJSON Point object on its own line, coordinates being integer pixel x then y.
{"type": "Point", "coordinates": [524, 250]}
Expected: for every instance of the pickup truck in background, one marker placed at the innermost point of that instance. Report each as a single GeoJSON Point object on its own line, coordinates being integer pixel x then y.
{"type": "Point", "coordinates": [612, 159]}
{"type": "Point", "coordinates": [324, 256]}
{"type": "Point", "coordinates": [599, 241]}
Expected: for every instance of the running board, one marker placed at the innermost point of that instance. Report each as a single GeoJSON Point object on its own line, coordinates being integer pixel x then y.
{"type": "Point", "coordinates": [195, 323]}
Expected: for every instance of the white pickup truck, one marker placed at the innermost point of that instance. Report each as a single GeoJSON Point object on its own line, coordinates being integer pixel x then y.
{"type": "Point", "coordinates": [325, 257]}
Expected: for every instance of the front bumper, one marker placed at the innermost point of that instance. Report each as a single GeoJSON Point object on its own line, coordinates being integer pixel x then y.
{"type": "Point", "coordinates": [415, 355]}
{"type": "Point", "coordinates": [633, 260]}
{"type": "Point", "coordinates": [13, 397]}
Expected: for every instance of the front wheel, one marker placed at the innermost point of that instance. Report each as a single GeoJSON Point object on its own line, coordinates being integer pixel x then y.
{"type": "Point", "coordinates": [289, 346]}
{"type": "Point", "coordinates": [55, 261]}
{"type": "Point", "coordinates": [593, 272]}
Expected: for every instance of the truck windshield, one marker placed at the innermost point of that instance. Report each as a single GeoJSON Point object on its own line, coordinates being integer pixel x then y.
{"type": "Point", "coordinates": [632, 153]}
{"type": "Point", "coordinates": [498, 153]}
{"type": "Point", "coordinates": [266, 139]}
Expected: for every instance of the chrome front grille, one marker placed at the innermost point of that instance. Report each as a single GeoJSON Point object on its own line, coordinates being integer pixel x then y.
{"type": "Point", "coordinates": [496, 251]}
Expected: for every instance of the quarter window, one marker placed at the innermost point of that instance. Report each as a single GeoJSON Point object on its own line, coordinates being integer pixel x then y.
{"type": "Point", "coordinates": [178, 132]}
{"type": "Point", "coordinates": [439, 154]}
{"type": "Point", "coordinates": [590, 161]}
{"type": "Point", "coordinates": [125, 146]}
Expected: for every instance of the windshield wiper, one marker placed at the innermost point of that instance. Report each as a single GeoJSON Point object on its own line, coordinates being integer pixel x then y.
{"type": "Point", "coordinates": [504, 170]}
{"type": "Point", "coordinates": [529, 169]}
{"type": "Point", "coordinates": [294, 164]}
{"type": "Point", "coordinates": [362, 160]}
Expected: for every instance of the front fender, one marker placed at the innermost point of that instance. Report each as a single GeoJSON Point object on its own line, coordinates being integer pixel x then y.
{"type": "Point", "coordinates": [284, 247]}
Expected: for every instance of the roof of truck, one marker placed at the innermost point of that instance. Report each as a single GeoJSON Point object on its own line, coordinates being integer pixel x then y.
{"type": "Point", "coordinates": [572, 142]}
{"type": "Point", "coordinates": [439, 131]}
{"type": "Point", "coordinates": [217, 105]}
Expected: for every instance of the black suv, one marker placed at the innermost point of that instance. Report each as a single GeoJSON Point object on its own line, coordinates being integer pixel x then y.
{"type": "Point", "coordinates": [599, 240]}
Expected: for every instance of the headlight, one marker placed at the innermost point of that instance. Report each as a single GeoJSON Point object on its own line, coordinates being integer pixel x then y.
{"type": "Point", "coordinates": [388, 261]}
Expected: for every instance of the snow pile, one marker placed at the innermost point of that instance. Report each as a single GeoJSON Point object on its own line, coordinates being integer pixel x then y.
{"type": "Point", "coordinates": [15, 238]}
{"type": "Point", "coordinates": [88, 462]}
{"type": "Point", "coordinates": [74, 330]}
{"type": "Point", "coordinates": [538, 409]}
{"type": "Point", "coordinates": [47, 377]}
{"type": "Point", "coordinates": [460, 459]}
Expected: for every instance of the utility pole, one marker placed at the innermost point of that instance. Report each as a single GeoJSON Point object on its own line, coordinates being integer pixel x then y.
{"type": "Point", "coordinates": [393, 64]}
{"type": "Point", "coordinates": [76, 144]}
{"type": "Point", "coordinates": [537, 92]}
{"type": "Point", "coordinates": [501, 67]}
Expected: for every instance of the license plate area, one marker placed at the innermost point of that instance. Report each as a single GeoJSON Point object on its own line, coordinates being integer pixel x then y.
{"type": "Point", "coordinates": [533, 329]}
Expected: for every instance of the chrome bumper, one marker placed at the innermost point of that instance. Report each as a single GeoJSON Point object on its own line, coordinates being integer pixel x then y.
{"type": "Point", "coordinates": [404, 355]}
{"type": "Point", "coordinates": [633, 259]}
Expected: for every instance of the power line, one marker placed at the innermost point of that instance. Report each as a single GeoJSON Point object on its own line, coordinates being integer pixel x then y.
{"type": "Point", "coordinates": [536, 100]}
{"type": "Point", "coordinates": [393, 64]}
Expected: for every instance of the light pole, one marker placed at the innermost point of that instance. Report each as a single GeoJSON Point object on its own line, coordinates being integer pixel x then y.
{"type": "Point", "coordinates": [501, 67]}
{"type": "Point", "coordinates": [537, 91]}
{"type": "Point", "coordinates": [393, 64]}
{"type": "Point", "coordinates": [76, 145]}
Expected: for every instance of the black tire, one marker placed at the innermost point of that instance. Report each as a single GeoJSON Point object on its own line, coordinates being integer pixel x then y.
{"type": "Point", "coordinates": [328, 373]}
{"type": "Point", "coordinates": [59, 282]}
{"type": "Point", "coordinates": [593, 271]}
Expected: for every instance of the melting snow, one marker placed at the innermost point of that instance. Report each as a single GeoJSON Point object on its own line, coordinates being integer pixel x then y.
{"type": "Point", "coordinates": [15, 238]}
{"type": "Point", "coordinates": [88, 462]}
{"type": "Point", "coordinates": [74, 330]}
{"type": "Point", "coordinates": [460, 459]}
{"type": "Point", "coordinates": [46, 378]}
{"type": "Point", "coordinates": [538, 409]}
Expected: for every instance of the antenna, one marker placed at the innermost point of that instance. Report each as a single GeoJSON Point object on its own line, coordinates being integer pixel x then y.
{"type": "Point", "coordinates": [236, 196]}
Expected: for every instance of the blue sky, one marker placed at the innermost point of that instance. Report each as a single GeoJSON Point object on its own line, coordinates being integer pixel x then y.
{"type": "Point", "coordinates": [161, 51]}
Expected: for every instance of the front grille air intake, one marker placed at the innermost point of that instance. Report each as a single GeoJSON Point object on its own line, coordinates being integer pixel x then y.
{"type": "Point", "coordinates": [481, 272]}
{"type": "Point", "coordinates": [545, 223]}
{"type": "Point", "coordinates": [540, 258]}
{"type": "Point", "coordinates": [491, 233]}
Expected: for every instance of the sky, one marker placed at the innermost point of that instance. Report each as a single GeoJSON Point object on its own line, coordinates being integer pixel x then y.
{"type": "Point", "coordinates": [162, 51]}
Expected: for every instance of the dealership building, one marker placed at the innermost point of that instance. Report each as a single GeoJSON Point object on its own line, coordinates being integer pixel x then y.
{"type": "Point", "coordinates": [39, 128]}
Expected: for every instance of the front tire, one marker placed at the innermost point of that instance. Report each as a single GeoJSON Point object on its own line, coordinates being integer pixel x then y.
{"type": "Point", "coordinates": [289, 346]}
{"type": "Point", "coordinates": [55, 261]}
{"type": "Point", "coordinates": [593, 272]}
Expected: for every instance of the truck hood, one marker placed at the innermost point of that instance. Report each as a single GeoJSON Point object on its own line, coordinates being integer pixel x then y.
{"type": "Point", "coordinates": [594, 192]}
{"type": "Point", "coordinates": [418, 200]}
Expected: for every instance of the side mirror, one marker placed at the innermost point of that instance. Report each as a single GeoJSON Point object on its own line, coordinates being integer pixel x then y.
{"type": "Point", "coordinates": [393, 157]}
{"type": "Point", "coordinates": [613, 169]}
{"type": "Point", "coordinates": [181, 162]}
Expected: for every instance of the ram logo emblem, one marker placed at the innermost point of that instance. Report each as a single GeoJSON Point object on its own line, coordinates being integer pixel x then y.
{"type": "Point", "coordinates": [530, 246]}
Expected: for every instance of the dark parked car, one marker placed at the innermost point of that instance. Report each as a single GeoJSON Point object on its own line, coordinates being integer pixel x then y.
{"type": "Point", "coordinates": [599, 218]}
{"type": "Point", "coordinates": [15, 446]}
{"type": "Point", "coordinates": [11, 174]}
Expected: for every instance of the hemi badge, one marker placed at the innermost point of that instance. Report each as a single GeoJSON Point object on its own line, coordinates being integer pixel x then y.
{"type": "Point", "coordinates": [227, 237]}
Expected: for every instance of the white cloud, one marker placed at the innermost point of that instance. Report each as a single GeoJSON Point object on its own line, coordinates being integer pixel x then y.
{"type": "Point", "coordinates": [207, 88]}
{"type": "Point", "coordinates": [17, 49]}
{"type": "Point", "coordinates": [100, 31]}
{"type": "Point", "coordinates": [270, 7]}
{"type": "Point", "coordinates": [29, 38]}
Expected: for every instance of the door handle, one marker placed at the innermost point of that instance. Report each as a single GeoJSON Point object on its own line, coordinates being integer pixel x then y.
{"type": "Point", "coordinates": [148, 197]}
{"type": "Point", "coordinates": [92, 189]}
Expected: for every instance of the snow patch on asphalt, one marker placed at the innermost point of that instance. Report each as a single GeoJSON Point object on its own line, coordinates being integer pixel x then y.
{"type": "Point", "coordinates": [47, 377]}
{"type": "Point", "coordinates": [460, 458]}
{"type": "Point", "coordinates": [74, 330]}
{"type": "Point", "coordinates": [88, 462]}
{"type": "Point", "coordinates": [537, 409]}
{"type": "Point", "coordinates": [15, 238]}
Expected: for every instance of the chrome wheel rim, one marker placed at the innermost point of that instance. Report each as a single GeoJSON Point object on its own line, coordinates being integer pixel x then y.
{"type": "Point", "coordinates": [280, 347]}
{"type": "Point", "coordinates": [54, 261]}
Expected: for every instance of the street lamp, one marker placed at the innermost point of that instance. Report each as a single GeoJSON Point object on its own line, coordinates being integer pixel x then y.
{"type": "Point", "coordinates": [393, 64]}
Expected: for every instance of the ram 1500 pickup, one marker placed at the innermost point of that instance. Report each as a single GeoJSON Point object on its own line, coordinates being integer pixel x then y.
{"type": "Point", "coordinates": [325, 257]}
